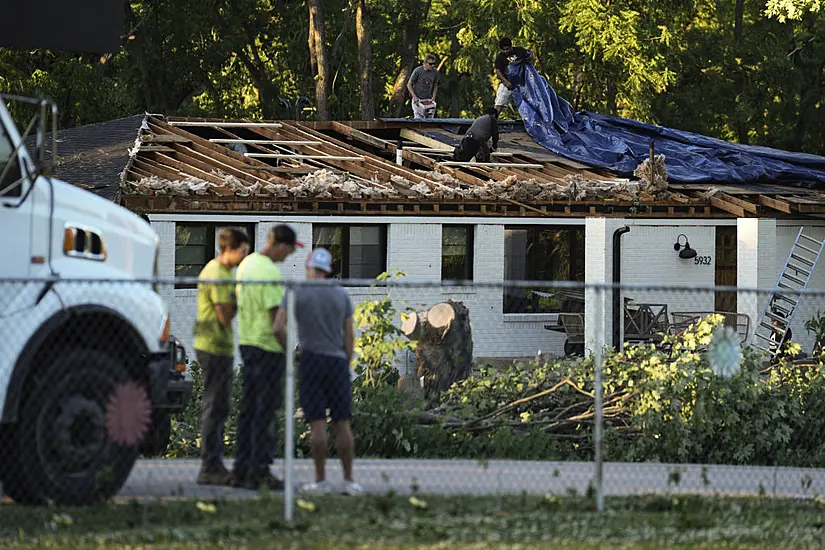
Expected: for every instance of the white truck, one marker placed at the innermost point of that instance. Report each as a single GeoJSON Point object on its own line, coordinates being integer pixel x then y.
{"type": "Point", "coordinates": [70, 346]}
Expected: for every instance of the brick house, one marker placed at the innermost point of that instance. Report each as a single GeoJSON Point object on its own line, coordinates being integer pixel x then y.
{"type": "Point", "coordinates": [530, 215]}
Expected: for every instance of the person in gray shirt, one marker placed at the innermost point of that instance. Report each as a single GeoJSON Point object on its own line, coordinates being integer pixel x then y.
{"type": "Point", "coordinates": [423, 87]}
{"type": "Point", "coordinates": [474, 143]}
{"type": "Point", "coordinates": [323, 315]}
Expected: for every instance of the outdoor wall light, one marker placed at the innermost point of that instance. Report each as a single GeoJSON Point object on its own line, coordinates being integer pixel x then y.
{"type": "Point", "coordinates": [684, 250]}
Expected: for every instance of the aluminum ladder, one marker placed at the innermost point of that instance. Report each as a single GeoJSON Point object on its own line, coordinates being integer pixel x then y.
{"type": "Point", "coordinates": [784, 300]}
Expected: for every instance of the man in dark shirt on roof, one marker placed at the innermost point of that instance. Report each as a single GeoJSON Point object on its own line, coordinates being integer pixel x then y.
{"type": "Point", "coordinates": [474, 142]}
{"type": "Point", "coordinates": [507, 55]}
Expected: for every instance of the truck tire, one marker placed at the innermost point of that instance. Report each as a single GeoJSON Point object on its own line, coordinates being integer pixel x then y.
{"type": "Point", "coordinates": [160, 433]}
{"type": "Point", "coordinates": [62, 437]}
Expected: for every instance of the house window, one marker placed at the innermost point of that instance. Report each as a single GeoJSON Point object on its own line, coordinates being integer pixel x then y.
{"type": "Point", "coordinates": [541, 253]}
{"type": "Point", "coordinates": [457, 253]}
{"type": "Point", "coordinates": [358, 251]}
{"type": "Point", "coordinates": [196, 244]}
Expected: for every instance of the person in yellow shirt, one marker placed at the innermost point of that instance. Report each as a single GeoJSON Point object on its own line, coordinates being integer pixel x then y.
{"type": "Point", "coordinates": [263, 359]}
{"type": "Point", "coordinates": [214, 348]}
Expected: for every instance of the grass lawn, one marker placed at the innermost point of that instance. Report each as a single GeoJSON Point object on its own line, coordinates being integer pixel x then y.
{"type": "Point", "coordinates": [390, 521]}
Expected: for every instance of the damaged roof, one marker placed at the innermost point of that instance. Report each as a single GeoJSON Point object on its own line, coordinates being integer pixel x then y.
{"type": "Point", "coordinates": [215, 165]}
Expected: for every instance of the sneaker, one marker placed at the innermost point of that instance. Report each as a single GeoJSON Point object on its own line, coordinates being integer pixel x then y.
{"type": "Point", "coordinates": [317, 488]}
{"type": "Point", "coordinates": [352, 489]}
{"type": "Point", "coordinates": [216, 475]}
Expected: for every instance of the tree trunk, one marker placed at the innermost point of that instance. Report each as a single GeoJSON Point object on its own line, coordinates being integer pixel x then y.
{"type": "Point", "coordinates": [455, 79]}
{"type": "Point", "coordinates": [364, 36]}
{"type": "Point", "coordinates": [410, 36]}
{"type": "Point", "coordinates": [739, 76]}
{"type": "Point", "coordinates": [318, 43]}
{"type": "Point", "coordinates": [445, 346]}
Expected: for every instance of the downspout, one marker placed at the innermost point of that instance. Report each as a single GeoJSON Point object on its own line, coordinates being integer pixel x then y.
{"type": "Point", "coordinates": [617, 278]}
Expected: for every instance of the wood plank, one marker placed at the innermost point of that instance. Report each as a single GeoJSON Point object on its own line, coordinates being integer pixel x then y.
{"type": "Point", "coordinates": [203, 146]}
{"type": "Point", "coordinates": [302, 157]}
{"type": "Point", "coordinates": [208, 162]}
{"type": "Point", "coordinates": [358, 135]}
{"type": "Point", "coordinates": [775, 203]}
{"type": "Point", "coordinates": [376, 161]}
{"type": "Point", "coordinates": [492, 164]}
{"type": "Point", "coordinates": [219, 124]}
{"type": "Point", "coordinates": [737, 211]}
{"type": "Point", "coordinates": [421, 139]}
{"type": "Point", "coordinates": [158, 170]}
{"type": "Point", "coordinates": [263, 141]}
{"type": "Point", "coordinates": [745, 205]}
{"type": "Point", "coordinates": [190, 169]}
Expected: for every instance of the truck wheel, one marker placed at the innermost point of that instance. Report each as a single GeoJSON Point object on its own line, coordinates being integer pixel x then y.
{"type": "Point", "coordinates": [62, 436]}
{"type": "Point", "coordinates": [160, 433]}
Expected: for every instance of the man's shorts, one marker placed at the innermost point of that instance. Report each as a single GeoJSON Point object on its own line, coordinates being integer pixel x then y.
{"type": "Point", "coordinates": [503, 96]}
{"type": "Point", "coordinates": [324, 382]}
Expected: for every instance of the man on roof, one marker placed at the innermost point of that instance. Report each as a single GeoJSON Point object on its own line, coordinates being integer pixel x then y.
{"type": "Point", "coordinates": [423, 87]}
{"type": "Point", "coordinates": [505, 57]}
{"type": "Point", "coordinates": [475, 140]}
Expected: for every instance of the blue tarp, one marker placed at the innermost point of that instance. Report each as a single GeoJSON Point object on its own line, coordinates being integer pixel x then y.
{"type": "Point", "coordinates": [620, 145]}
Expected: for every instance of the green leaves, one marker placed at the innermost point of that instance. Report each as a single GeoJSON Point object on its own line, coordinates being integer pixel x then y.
{"type": "Point", "coordinates": [785, 10]}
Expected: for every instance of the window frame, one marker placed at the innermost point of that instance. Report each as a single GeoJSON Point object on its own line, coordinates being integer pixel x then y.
{"type": "Point", "coordinates": [533, 231]}
{"type": "Point", "coordinates": [211, 237]}
{"type": "Point", "coordinates": [469, 251]}
{"type": "Point", "coordinates": [346, 243]}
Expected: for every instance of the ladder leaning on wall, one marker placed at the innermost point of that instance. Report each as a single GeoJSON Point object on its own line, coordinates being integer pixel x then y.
{"type": "Point", "coordinates": [784, 300]}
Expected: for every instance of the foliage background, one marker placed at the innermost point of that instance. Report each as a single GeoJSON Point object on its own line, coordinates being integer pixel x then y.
{"type": "Point", "coordinates": [744, 71]}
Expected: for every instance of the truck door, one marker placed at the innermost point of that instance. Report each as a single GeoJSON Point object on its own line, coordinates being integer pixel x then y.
{"type": "Point", "coordinates": [15, 226]}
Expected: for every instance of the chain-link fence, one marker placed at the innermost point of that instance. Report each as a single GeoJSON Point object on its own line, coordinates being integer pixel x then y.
{"type": "Point", "coordinates": [414, 387]}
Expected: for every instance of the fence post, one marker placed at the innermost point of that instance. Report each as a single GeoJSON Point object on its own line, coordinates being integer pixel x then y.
{"type": "Point", "coordinates": [289, 404]}
{"type": "Point", "coordinates": [597, 430]}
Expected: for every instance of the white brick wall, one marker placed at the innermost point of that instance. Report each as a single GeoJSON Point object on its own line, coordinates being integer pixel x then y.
{"type": "Point", "coordinates": [416, 250]}
{"type": "Point", "coordinates": [649, 258]}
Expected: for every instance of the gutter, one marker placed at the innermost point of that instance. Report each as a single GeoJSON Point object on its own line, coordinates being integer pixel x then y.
{"type": "Point", "coordinates": [617, 278]}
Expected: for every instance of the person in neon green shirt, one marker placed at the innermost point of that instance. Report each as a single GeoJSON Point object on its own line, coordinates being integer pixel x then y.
{"type": "Point", "coordinates": [214, 347]}
{"type": "Point", "coordinates": [263, 359]}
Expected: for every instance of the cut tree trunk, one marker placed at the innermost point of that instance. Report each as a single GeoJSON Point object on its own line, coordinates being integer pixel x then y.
{"type": "Point", "coordinates": [444, 351]}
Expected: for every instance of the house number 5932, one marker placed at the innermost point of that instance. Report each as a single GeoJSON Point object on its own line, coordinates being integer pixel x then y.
{"type": "Point", "coordinates": [701, 260]}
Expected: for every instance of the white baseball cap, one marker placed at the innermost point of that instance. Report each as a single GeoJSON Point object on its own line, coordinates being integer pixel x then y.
{"type": "Point", "coordinates": [320, 258]}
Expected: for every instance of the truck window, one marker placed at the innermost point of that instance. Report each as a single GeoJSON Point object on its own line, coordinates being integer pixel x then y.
{"type": "Point", "coordinates": [10, 184]}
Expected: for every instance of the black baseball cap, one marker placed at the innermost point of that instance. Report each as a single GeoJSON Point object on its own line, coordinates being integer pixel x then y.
{"type": "Point", "coordinates": [284, 234]}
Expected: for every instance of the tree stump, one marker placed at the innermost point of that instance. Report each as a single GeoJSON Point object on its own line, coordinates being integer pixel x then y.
{"type": "Point", "coordinates": [444, 354]}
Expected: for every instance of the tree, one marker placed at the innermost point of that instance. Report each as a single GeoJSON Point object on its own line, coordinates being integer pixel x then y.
{"type": "Point", "coordinates": [364, 37]}
{"type": "Point", "coordinates": [318, 53]}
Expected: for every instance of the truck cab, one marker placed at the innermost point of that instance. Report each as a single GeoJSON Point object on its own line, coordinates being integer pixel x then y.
{"type": "Point", "coordinates": [88, 370]}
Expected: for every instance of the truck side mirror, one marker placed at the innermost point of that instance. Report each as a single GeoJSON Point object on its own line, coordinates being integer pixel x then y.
{"type": "Point", "coordinates": [46, 148]}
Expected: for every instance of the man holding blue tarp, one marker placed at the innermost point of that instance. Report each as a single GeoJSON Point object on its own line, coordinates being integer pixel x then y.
{"type": "Point", "coordinates": [507, 55]}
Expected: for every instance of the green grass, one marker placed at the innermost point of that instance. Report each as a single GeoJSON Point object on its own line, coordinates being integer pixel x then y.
{"type": "Point", "coordinates": [391, 521]}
